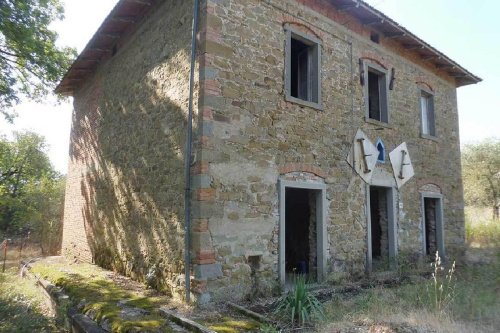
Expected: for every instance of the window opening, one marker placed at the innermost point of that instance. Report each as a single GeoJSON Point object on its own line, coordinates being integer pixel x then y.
{"type": "Point", "coordinates": [427, 111]}
{"type": "Point", "coordinates": [377, 96]}
{"type": "Point", "coordinates": [303, 69]}
{"type": "Point", "coordinates": [374, 37]}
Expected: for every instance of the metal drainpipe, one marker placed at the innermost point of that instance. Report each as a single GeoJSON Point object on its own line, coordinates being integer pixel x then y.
{"type": "Point", "coordinates": [187, 160]}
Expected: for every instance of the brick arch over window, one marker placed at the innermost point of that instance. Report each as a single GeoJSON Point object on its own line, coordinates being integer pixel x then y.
{"type": "Point", "coordinates": [302, 167]}
{"type": "Point", "coordinates": [429, 186]}
{"type": "Point", "coordinates": [425, 85]}
{"type": "Point", "coordinates": [289, 22]}
{"type": "Point", "coordinates": [372, 57]}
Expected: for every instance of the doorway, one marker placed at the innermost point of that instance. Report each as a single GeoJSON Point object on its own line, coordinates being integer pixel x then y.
{"type": "Point", "coordinates": [302, 230]}
{"type": "Point", "coordinates": [382, 245]}
{"type": "Point", "coordinates": [432, 228]}
{"type": "Point", "coordinates": [300, 233]}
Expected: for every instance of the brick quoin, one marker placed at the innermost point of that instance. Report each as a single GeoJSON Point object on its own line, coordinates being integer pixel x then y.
{"type": "Point", "coordinates": [205, 194]}
{"type": "Point", "coordinates": [199, 168]}
{"type": "Point", "coordinates": [204, 257]}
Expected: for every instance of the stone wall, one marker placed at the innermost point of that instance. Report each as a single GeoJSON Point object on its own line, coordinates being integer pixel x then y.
{"type": "Point", "coordinates": [124, 199]}
{"type": "Point", "coordinates": [124, 203]}
{"type": "Point", "coordinates": [251, 136]}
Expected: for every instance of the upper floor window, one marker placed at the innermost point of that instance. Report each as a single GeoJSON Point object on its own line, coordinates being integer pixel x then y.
{"type": "Point", "coordinates": [376, 86]}
{"type": "Point", "coordinates": [302, 69]}
{"type": "Point", "coordinates": [427, 113]}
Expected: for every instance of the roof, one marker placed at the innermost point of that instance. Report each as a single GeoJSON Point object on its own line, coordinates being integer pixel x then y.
{"type": "Point", "coordinates": [127, 14]}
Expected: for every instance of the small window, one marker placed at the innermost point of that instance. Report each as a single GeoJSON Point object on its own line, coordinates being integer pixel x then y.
{"type": "Point", "coordinates": [302, 69]}
{"type": "Point", "coordinates": [375, 37]}
{"type": "Point", "coordinates": [381, 151]}
{"type": "Point", "coordinates": [427, 113]}
{"type": "Point", "coordinates": [377, 95]}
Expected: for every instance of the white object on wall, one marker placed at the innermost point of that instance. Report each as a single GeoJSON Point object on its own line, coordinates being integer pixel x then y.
{"type": "Point", "coordinates": [401, 164]}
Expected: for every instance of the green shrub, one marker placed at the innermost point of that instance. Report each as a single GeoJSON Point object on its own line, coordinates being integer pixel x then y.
{"type": "Point", "coordinates": [299, 304]}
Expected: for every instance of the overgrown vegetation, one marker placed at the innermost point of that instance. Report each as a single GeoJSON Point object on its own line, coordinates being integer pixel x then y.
{"type": "Point", "coordinates": [299, 305]}
{"type": "Point", "coordinates": [22, 306]}
{"type": "Point", "coordinates": [480, 229]}
{"type": "Point", "coordinates": [464, 299]}
{"type": "Point", "coordinates": [31, 192]}
{"type": "Point", "coordinates": [441, 289]}
{"type": "Point", "coordinates": [481, 175]}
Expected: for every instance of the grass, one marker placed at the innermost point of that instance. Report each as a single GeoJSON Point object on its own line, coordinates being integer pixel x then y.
{"type": "Point", "coordinates": [22, 306]}
{"type": "Point", "coordinates": [480, 229]}
{"type": "Point", "coordinates": [473, 304]}
{"type": "Point", "coordinates": [475, 307]}
{"type": "Point", "coordinates": [104, 298]}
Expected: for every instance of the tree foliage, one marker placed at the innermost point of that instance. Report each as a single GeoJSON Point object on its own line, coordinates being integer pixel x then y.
{"type": "Point", "coordinates": [31, 191]}
{"type": "Point", "coordinates": [481, 174]}
{"type": "Point", "coordinates": [30, 62]}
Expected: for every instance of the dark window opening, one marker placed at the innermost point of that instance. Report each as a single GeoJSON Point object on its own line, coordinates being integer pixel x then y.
{"type": "Point", "coordinates": [375, 37]}
{"type": "Point", "coordinates": [304, 70]}
{"type": "Point", "coordinates": [114, 50]}
{"type": "Point", "coordinates": [379, 214]}
{"type": "Point", "coordinates": [377, 96]}
{"type": "Point", "coordinates": [300, 232]}
{"type": "Point", "coordinates": [431, 216]}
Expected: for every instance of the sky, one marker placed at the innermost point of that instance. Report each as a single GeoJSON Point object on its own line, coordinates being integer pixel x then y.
{"type": "Point", "coordinates": [466, 31]}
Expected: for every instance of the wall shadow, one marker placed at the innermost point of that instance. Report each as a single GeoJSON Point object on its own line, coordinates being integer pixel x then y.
{"type": "Point", "coordinates": [127, 146]}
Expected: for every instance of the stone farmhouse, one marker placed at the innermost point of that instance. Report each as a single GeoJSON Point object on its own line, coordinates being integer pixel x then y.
{"type": "Point", "coordinates": [324, 139]}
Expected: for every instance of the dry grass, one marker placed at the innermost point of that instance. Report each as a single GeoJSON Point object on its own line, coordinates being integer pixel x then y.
{"type": "Point", "coordinates": [474, 307]}
{"type": "Point", "coordinates": [481, 231]}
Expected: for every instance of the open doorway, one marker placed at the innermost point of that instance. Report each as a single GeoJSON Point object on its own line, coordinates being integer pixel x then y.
{"type": "Point", "coordinates": [432, 227]}
{"type": "Point", "coordinates": [302, 230]}
{"type": "Point", "coordinates": [382, 236]}
{"type": "Point", "coordinates": [300, 233]}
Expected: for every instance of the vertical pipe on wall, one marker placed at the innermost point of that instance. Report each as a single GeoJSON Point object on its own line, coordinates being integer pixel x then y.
{"type": "Point", "coordinates": [187, 160]}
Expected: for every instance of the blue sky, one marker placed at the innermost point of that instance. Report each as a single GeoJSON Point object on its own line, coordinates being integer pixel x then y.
{"type": "Point", "coordinates": [467, 31]}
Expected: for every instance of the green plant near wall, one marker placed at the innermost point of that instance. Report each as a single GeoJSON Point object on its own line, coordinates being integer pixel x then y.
{"type": "Point", "coordinates": [299, 305]}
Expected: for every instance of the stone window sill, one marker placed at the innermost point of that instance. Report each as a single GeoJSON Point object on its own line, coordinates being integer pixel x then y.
{"type": "Point", "coordinates": [430, 137]}
{"type": "Point", "coordinates": [377, 122]}
{"type": "Point", "coordinates": [299, 101]}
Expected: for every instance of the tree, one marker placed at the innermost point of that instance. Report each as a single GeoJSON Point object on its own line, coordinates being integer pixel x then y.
{"type": "Point", "coordinates": [30, 193]}
{"type": "Point", "coordinates": [30, 62]}
{"type": "Point", "coordinates": [481, 174]}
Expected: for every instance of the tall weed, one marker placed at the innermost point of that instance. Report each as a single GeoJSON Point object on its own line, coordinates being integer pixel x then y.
{"type": "Point", "coordinates": [441, 289]}
{"type": "Point", "coordinates": [299, 305]}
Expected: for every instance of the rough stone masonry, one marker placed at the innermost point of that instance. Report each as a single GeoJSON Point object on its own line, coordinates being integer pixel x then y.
{"type": "Point", "coordinates": [125, 181]}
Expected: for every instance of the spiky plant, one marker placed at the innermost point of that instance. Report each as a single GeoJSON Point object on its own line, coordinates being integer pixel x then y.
{"type": "Point", "coordinates": [299, 305]}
